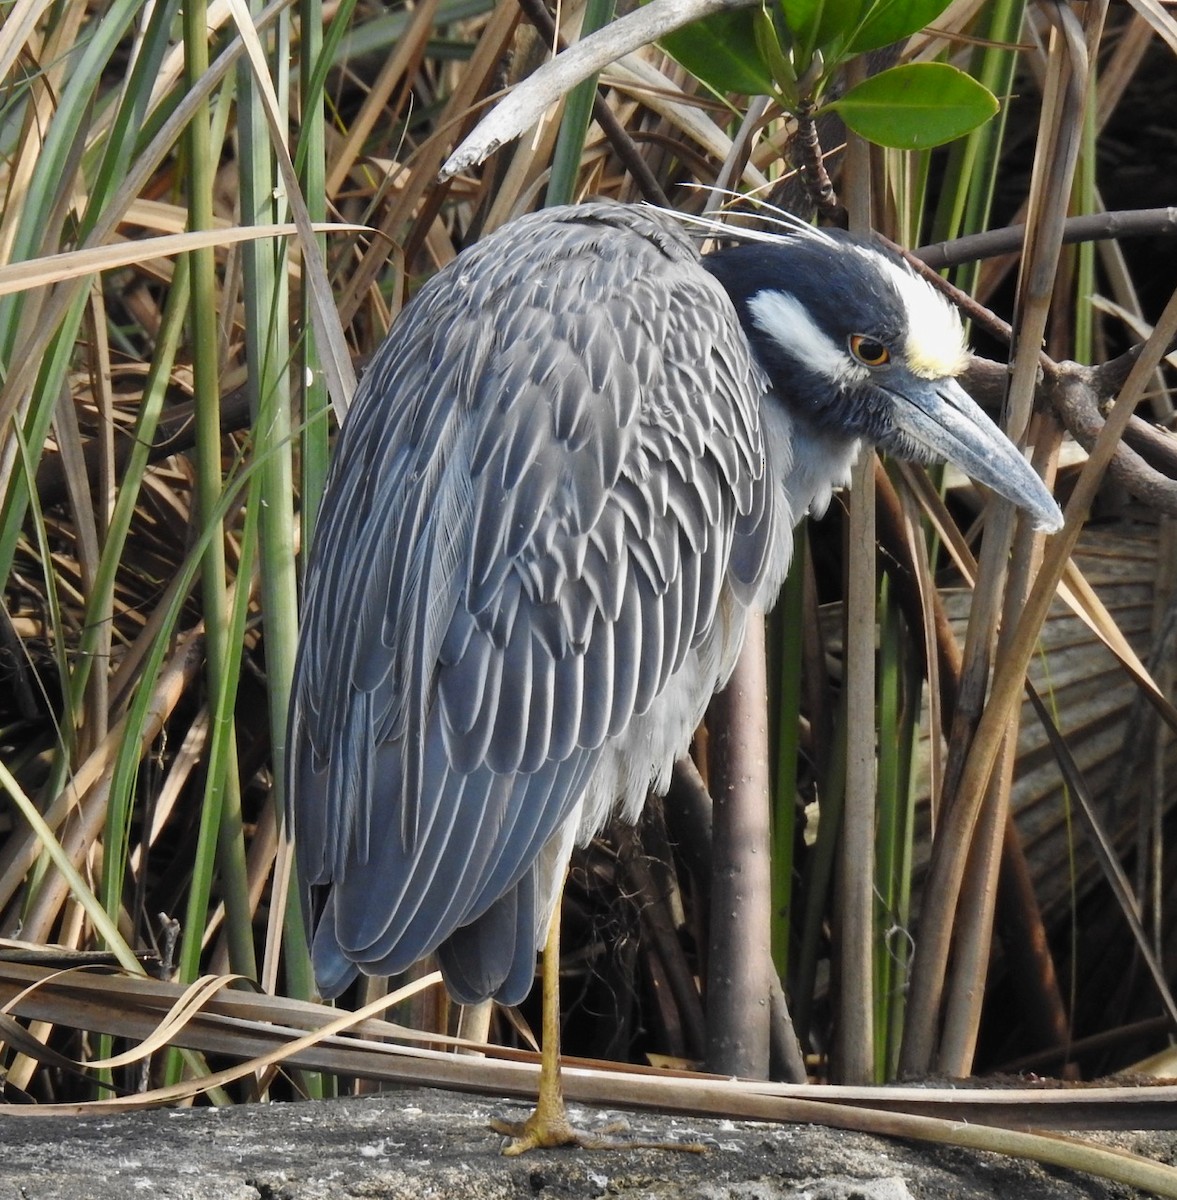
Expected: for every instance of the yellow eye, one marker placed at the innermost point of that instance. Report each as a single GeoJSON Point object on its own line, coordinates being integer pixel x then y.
{"type": "Point", "coordinates": [868, 350]}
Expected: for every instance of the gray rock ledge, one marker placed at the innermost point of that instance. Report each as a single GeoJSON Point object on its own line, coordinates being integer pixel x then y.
{"type": "Point", "coordinates": [423, 1144]}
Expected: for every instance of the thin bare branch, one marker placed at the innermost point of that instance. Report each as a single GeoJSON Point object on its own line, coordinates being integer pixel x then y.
{"type": "Point", "coordinates": [1096, 227]}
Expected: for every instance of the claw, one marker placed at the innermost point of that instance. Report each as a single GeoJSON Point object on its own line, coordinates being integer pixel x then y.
{"type": "Point", "coordinates": [543, 1133]}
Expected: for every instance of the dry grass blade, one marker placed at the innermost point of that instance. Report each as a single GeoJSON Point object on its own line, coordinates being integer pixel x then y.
{"type": "Point", "coordinates": [73, 264]}
{"type": "Point", "coordinates": [1160, 20]}
{"type": "Point", "coordinates": [89, 787]}
{"type": "Point", "coordinates": [243, 1023]}
{"type": "Point", "coordinates": [409, 50]}
{"type": "Point", "coordinates": [168, 1032]}
{"type": "Point", "coordinates": [1073, 589]}
{"type": "Point", "coordinates": [78, 887]}
{"type": "Point", "coordinates": [183, 1012]}
{"type": "Point", "coordinates": [1083, 601]}
{"type": "Point", "coordinates": [16, 30]}
{"type": "Point", "coordinates": [481, 69]}
{"type": "Point", "coordinates": [978, 807]}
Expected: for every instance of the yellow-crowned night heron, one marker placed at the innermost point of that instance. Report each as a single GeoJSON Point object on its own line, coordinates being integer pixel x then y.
{"type": "Point", "coordinates": [569, 472]}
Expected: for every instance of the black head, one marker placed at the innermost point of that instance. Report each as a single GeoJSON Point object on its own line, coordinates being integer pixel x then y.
{"type": "Point", "coordinates": [842, 326]}
{"type": "Point", "coordinates": [859, 345]}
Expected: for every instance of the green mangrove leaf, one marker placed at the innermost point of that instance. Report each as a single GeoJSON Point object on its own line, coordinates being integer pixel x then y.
{"type": "Point", "coordinates": [772, 54]}
{"type": "Point", "coordinates": [821, 25]}
{"type": "Point", "coordinates": [721, 50]}
{"type": "Point", "coordinates": [887, 21]}
{"type": "Point", "coordinates": [916, 106]}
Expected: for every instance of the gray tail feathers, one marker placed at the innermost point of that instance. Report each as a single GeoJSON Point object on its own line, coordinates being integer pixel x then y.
{"type": "Point", "coordinates": [495, 954]}
{"type": "Point", "coordinates": [333, 971]}
{"type": "Point", "coordinates": [492, 956]}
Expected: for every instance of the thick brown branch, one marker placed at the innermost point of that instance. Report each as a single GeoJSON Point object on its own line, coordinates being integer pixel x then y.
{"type": "Point", "coordinates": [1074, 396]}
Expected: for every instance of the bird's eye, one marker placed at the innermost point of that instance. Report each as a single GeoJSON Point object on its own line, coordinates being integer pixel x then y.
{"type": "Point", "coordinates": [868, 350]}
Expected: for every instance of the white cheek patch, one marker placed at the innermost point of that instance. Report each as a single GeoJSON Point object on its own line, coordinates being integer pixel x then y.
{"type": "Point", "coordinates": [784, 319]}
{"type": "Point", "coordinates": [935, 346]}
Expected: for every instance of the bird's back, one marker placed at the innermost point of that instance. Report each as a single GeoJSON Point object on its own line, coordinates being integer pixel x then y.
{"type": "Point", "coordinates": [546, 516]}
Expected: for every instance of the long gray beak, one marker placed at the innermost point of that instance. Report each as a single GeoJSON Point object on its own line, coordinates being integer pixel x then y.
{"type": "Point", "coordinates": [947, 423]}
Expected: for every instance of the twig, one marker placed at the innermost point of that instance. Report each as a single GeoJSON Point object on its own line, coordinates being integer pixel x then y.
{"type": "Point", "coordinates": [1095, 227]}
{"type": "Point", "coordinates": [813, 168]}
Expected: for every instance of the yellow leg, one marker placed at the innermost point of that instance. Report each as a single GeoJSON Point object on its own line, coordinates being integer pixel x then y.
{"type": "Point", "coordinates": [549, 1126]}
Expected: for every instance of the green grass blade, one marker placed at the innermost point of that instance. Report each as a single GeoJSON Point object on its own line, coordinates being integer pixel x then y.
{"type": "Point", "coordinates": [578, 111]}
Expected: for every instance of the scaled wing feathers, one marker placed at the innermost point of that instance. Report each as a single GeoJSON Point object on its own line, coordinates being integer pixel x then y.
{"type": "Point", "coordinates": [549, 491]}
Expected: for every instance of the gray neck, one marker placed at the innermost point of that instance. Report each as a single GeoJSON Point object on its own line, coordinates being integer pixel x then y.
{"type": "Point", "coordinates": [808, 463]}
{"type": "Point", "coordinates": [805, 464]}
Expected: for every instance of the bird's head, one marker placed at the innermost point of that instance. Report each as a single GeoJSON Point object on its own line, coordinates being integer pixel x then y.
{"type": "Point", "coordinates": [856, 342]}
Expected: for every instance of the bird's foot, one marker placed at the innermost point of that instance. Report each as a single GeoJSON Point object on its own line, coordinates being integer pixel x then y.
{"type": "Point", "coordinates": [540, 1133]}
{"type": "Point", "coordinates": [545, 1131]}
